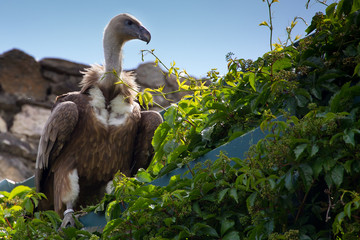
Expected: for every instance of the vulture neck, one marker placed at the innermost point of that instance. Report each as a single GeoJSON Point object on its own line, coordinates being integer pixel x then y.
{"type": "Point", "coordinates": [113, 58]}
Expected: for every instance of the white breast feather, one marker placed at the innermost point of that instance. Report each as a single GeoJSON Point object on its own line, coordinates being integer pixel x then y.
{"type": "Point", "coordinates": [119, 109]}
{"type": "Point", "coordinates": [98, 104]}
{"type": "Point", "coordinates": [74, 187]}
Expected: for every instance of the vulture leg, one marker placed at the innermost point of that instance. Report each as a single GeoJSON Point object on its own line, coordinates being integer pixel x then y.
{"type": "Point", "coordinates": [68, 219]}
{"type": "Point", "coordinates": [68, 193]}
{"type": "Point", "coordinates": [144, 151]}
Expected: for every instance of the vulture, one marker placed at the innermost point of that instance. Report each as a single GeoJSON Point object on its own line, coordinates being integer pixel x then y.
{"type": "Point", "coordinates": [96, 132]}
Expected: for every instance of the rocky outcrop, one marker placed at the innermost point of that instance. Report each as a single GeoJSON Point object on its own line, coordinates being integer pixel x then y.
{"type": "Point", "coordinates": [3, 126]}
{"type": "Point", "coordinates": [20, 75]}
{"type": "Point", "coordinates": [30, 121]}
{"type": "Point", "coordinates": [27, 91]}
{"type": "Point", "coordinates": [151, 76]}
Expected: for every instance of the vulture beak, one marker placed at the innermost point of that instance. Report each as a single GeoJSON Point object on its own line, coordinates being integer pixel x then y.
{"type": "Point", "coordinates": [144, 34]}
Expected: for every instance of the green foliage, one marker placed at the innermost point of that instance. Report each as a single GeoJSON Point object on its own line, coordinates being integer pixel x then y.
{"type": "Point", "coordinates": [297, 183]}
{"type": "Point", "coordinates": [197, 209]}
{"type": "Point", "coordinates": [300, 182]}
{"type": "Point", "coordinates": [17, 217]}
{"type": "Point", "coordinates": [20, 220]}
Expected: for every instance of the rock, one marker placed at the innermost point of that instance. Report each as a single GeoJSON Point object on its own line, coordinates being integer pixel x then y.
{"type": "Point", "coordinates": [3, 125]}
{"type": "Point", "coordinates": [30, 121]}
{"type": "Point", "coordinates": [14, 168]}
{"type": "Point", "coordinates": [12, 145]}
{"type": "Point", "coordinates": [62, 83]}
{"type": "Point", "coordinates": [63, 66]}
{"type": "Point", "coordinates": [150, 75]}
{"type": "Point", "coordinates": [8, 101]}
{"type": "Point", "coordinates": [20, 75]}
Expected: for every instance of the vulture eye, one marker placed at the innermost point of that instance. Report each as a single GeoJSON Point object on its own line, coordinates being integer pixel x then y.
{"type": "Point", "coordinates": [129, 22]}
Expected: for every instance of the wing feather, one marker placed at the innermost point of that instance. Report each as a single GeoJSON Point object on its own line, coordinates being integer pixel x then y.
{"type": "Point", "coordinates": [143, 151]}
{"type": "Point", "coordinates": [56, 133]}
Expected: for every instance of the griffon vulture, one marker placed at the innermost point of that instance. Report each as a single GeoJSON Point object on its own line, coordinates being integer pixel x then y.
{"type": "Point", "coordinates": [92, 134]}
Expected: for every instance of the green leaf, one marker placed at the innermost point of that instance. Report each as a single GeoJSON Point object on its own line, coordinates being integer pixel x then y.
{"type": "Point", "coordinates": [317, 167]}
{"type": "Point", "coordinates": [207, 187]}
{"type": "Point", "coordinates": [18, 191]}
{"type": "Point", "coordinates": [234, 195]}
{"type": "Point", "coordinates": [207, 132]}
{"type": "Point", "coordinates": [269, 226]}
{"type": "Point", "coordinates": [301, 100]}
{"type": "Point", "coordinates": [282, 64]}
{"type": "Point", "coordinates": [170, 146]}
{"type": "Point", "coordinates": [160, 135]}
{"type": "Point", "coordinates": [337, 222]}
{"type": "Point", "coordinates": [307, 175]}
{"type": "Point", "coordinates": [328, 163]}
{"type": "Point", "coordinates": [250, 201]}
{"type": "Point", "coordinates": [222, 194]}
{"type": "Point", "coordinates": [272, 183]}
{"type": "Point", "coordinates": [299, 150]}
{"type": "Point", "coordinates": [53, 218]}
{"type": "Point", "coordinates": [350, 51]}
{"type": "Point", "coordinates": [264, 23]}
{"type": "Point", "coordinates": [110, 226]}
{"type": "Point", "coordinates": [357, 70]}
{"type": "Point", "coordinates": [202, 229]}
{"type": "Point", "coordinates": [170, 116]}
{"type": "Point", "coordinates": [28, 205]}
{"type": "Point", "coordinates": [143, 176]}
{"type": "Point", "coordinates": [344, 7]}
{"type": "Point", "coordinates": [233, 235]}
{"type": "Point", "coordinates": [336, 136]}
{"type": "Point", "coordinates": [16, 208]}
{"type": "Point", "coordinates": [347, 165]}
{"type": "Point", "coordinates": [113, 210]}
{"type": "Point", "coordinates": [252, 81]}
{"type": "Point", "coordinates": [337, 175]}
{"type": "Point", "coordinates": [288, 181]}
{"type": "Point", "coordinates": [347, 209]}
{"type": "Point", "coordinates": [169, 221]}
{"type": "Point", "coordinates": [4, 194]}
{"type": "Point", "coordinates": [349, 137]}
{"type": "Point", "coordinates": [314, 150]}
{"type": "Point", "coordinates": [330, 10]}
{"type": "Point", "coordinates": [226, 225]}
{"type": "Point", "coordinates": [356, 6]}
{"type": "Point", "coordinates": [196, 208]}
{"type": "Point", "coordinates": [315, 62]}
{"type": "Point", "coordinates": [167, 168]}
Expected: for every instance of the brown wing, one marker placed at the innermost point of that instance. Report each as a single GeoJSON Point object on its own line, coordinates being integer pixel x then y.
{"type": "Point", "coordinates": [143, 151]}
{"type": "Point", "coordinates": [57, 131]}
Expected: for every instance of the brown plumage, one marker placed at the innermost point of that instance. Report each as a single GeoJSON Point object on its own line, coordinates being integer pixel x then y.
{"type": "Point", "coordinates": [96, 132]}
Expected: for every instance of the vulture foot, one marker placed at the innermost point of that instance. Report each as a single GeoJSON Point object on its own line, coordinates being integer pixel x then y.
{"type": "Point", "coordinates": [68, 220]}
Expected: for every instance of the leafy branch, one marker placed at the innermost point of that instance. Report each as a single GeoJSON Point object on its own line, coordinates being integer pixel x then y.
{"type": "Point", "coordinates": [270, 24]}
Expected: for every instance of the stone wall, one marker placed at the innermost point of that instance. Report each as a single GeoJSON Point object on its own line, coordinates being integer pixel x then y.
{"type": "Point", "coordinates": [27, 91]}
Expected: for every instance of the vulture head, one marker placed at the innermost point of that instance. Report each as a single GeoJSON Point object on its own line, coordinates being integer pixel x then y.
{"type": "Point", "coordinates": [125, 27]}
{"type": "Point", "coordinates": [121, 29]}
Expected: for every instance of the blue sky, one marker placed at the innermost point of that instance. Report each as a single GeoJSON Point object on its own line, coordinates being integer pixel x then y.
{"type": "Point", "coordinates": [196, 34]}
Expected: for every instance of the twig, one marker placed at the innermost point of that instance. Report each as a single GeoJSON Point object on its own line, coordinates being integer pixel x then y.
{"type": "Point", "coordinates": [9, 223]}
{"type": "Point", "coordinates": [330, 205]}
{"type": "Point", "coordinates": [191, 171]}
{"type": "Point", "coordinates": [271, 25]}
{"type": "Point", "coordinates": [158, 59]}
